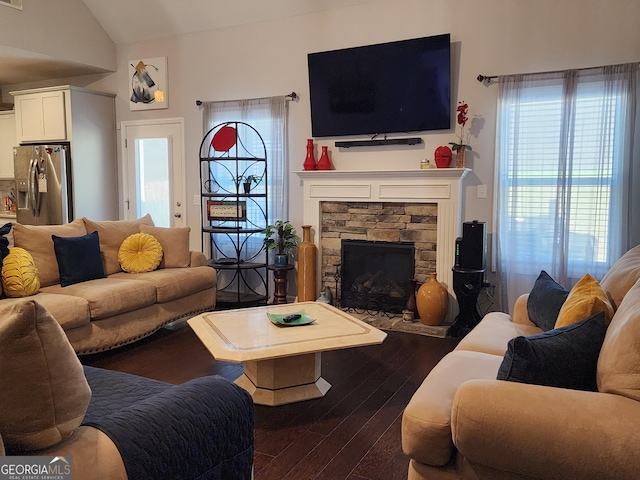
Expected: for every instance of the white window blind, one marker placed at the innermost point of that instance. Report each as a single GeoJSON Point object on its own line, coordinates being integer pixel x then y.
{"type": "Point", "coordinates": [560, 170]}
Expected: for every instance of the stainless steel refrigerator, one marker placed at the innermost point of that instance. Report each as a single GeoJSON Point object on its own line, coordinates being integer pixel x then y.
{"type": "Point", "coordinates": [43, 184]}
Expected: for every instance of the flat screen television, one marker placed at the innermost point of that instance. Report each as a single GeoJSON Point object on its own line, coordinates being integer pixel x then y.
{"type": "Point", "coordinates": [401, 86]}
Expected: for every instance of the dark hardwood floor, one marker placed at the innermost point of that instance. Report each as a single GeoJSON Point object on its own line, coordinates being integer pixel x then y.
{"type": "Point", "coordinates": [352, 433]}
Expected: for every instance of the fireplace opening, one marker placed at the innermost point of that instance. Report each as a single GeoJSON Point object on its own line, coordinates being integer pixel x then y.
{"type": "Point", "coordinates": [375, 275]}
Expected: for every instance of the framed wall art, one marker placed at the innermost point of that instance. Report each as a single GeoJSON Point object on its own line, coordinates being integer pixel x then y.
{"type": "Point", "coordinates": [227, 210]}
{"type": "Point", "coordinates": [148, 84]}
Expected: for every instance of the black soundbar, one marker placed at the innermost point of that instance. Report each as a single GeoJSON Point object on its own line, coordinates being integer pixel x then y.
{"type": "Point", "coordinates": [375, 143]}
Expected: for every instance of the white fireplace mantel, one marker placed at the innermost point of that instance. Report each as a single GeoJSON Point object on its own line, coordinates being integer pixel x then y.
{"type": "Point", "coordinates": [441, 186]}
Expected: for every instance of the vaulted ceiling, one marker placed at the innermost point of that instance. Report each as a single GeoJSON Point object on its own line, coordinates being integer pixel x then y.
{"type": "Point", "coordinates": [127, 21]}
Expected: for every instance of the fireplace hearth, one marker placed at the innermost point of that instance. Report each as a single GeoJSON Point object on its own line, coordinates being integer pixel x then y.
{"type": "Point", "coordinates": [374, 276]}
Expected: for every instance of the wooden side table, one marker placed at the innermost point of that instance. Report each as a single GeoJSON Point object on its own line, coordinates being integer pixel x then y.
{"type": "Point", "coordinates": [280, 281]}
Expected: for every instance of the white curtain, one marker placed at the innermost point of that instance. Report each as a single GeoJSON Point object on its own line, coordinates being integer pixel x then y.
{"type": "Point", "coordinates": [269, 117]}
{"type": "Point", "coordinates": [563, 175]}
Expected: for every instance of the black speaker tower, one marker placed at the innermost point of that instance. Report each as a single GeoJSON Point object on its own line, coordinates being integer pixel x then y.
{"type": "Point", "coordinates": [468, 275]}
{"type": "Point", "coordinates": [471, 248]}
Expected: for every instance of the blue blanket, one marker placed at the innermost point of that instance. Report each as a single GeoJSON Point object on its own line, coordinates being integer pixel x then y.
{"type": "Point", "coordinates": [202, 429]}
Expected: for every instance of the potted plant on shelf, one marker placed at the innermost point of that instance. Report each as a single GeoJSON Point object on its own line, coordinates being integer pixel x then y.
{"type": "Point", "coordinates": [461, 147]}
{"type": "Point", "coordinates": [247, 180]}
{"type": "Point", "coordinates": [282, 237]}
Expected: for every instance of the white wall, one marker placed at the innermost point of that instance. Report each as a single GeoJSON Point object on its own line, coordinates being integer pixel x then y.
{"type": "Point", "coordinates": [491, 37]}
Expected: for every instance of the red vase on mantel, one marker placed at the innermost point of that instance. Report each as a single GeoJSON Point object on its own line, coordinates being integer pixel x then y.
{"type": "Point", "coordinates": [324, 163]}
{"type": "Point", "coordinates": [443, 156]}
{"type": "Point", "coordinates": [310, 160]}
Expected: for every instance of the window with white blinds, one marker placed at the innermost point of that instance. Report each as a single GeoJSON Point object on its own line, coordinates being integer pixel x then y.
{"type": "Point", "coordinates": [561, 188]}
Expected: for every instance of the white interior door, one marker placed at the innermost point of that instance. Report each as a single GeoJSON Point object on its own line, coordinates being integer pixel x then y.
{"type": "Point", "coordinates": [153, 171]}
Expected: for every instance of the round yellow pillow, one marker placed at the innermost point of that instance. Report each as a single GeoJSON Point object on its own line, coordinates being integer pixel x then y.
{"type": "Point", "coordinates": [140, 253]}
{"type": "Point", "coordinates": [19, 274]}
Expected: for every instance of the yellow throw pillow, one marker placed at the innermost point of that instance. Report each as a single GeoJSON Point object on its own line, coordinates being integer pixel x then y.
{"type": "Point", "coordinates": [585, 299]}
{"type": "Point", "coordinates": [19, 274]}
{"type": "Point", "coordinates": [140, 253]}
{"type": "Point", "coordinates": [112, 233]}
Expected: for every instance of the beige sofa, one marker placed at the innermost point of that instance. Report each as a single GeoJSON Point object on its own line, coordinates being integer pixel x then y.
{"type": "Point", "coordinates": [462, 423]}
{"type": "Point", "coordinates": [110, 425]}
{"type": "Point", "coordinates": [123, 307]}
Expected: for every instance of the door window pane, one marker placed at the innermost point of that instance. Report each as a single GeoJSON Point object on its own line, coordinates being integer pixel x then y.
{"type": "Point", "coordinates": [152, 177]}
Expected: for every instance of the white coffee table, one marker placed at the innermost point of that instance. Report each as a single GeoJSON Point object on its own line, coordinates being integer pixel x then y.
{"type": "Point", "coordinates": [281, 364]}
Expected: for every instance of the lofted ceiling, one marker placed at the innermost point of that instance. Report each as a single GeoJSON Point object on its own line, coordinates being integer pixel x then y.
{"type": "Point", "coordinates": [127, 21]}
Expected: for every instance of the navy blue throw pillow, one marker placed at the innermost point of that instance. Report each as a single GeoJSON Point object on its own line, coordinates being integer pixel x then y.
{"type": "Point", "coordinates": [545, 301]}
{"type": "Point", "coordinates": [566, 357]}
{"type": "Point", "coordinates": [4, 241]}
{"type": "Point", "coordinates": [78, 258]}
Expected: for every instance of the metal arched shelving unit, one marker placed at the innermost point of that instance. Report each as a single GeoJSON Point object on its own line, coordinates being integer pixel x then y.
{"type": "Point", "coordinates": [234, 215]}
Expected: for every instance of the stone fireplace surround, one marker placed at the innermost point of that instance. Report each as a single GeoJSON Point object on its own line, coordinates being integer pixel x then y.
{"type": "Point", "coordinates": [441, 188]}
{"type": "Point", "coordinates": [379, 222]}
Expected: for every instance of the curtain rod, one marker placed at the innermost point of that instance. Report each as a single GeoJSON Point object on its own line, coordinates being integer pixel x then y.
{"type": "Point", "coordinates": [292, 96]}
{"type": "Point", "coordinates": [489, 79]}
{"type": "Point", "coordinates": [486, 79]}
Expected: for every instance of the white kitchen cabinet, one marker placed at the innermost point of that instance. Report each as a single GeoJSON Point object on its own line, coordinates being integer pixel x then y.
{"type": "Point", "coordinates": [7, 142]}
{"type": "Point", "coordinates": [41, 116]}
{"type": "Point", "coordinates": [84, 119]}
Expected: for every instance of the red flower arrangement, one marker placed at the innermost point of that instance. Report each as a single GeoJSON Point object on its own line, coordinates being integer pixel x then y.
{"type": "Point", "coordinates": [462, 110]}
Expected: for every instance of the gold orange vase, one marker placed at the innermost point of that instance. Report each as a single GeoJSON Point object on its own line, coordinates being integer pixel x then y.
{"type": "Point", "coordinates": [432, 301]}
{"type": "Point", "coordinates": [307, 255]}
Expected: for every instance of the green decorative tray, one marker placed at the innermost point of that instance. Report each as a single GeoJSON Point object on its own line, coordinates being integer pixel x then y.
{"type": "Point", "coordinates": [278, 319]}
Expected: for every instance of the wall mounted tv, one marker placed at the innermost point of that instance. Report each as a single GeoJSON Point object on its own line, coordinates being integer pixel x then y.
{"type": "Point", "coordinates": [401, 86]}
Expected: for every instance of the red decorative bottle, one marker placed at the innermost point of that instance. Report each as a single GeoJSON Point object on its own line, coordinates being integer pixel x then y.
{"type": "Point", "coordinates": [310, 160]}
{"type": "Point", "coordinates": [324, 163]}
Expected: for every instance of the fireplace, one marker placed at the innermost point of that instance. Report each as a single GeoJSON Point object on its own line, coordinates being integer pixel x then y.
{"type": "Point", "coordinates": [375, 275]}
{"type": "Point", "coordinates": [440, 187]}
